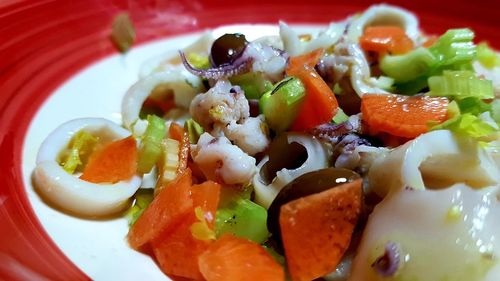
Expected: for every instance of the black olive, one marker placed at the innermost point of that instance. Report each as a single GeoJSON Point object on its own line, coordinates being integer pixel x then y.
{"type": "Point", "coordinates": [307, 184]}
{"type": "Point", "coordinates": [227, 48]}
{"type": "Point", "coordinates": [282, 154]}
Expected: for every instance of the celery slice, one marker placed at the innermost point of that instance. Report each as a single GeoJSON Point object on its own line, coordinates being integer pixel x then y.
{"type": "Point", "coordinates": [340, 117]}
{"type": "Point", "coordinates": [412, 87]}
{"type": "Point", "coordinates": [194, 130]}
{"type": "Point", "coordinates": [453, 109]}
{"type": "Point", "coordinates": [243, 219]}
{"type": "Point", "coordinates": [168, 163]}
{"type": "Point", "coordinates": [454, 50]}
{"type": "Point", "coordinates": [487, 56]}
{"type": "Point", "coordinates": [459, 85]}
{"type": "Point", "coordinates": [407, 67]}
{"type": "Point", "coordinates": [455, 47]}
{"type": "Point", "coordinates": [80, 146]}
{"type": "Point", "coordinates": [143, 197]}
{"type": "Point", "coordinates": [150, 150]}
{"type": "Point", "coordinates": [467, 125]}
{"type": "Point", "coordinates": [253, 84]}
{"type": "Point", "coordinates": [473, 105]}
{"type": "Point", "coordinates": [281, 105]}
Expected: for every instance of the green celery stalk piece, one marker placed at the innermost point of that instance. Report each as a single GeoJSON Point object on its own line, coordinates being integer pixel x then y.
{"type": "Point", "coordinates": [229, 195]}
{"type": "Point", "coordinates": [150, 149]}
{"type": "Point", "coordinates": [81, 145]}
{"type": "Point", "coordinates": [143, 197]}
{"type": "Point", "coordinates": [243, 219]}
{"type": "Point", "coordinates": [407, 67]}
{"type": "Point", "coordinates": [487, 56]}
{"type": "Point", "coordinates": [194, 130]}
{"type": "Point", "coordinates": [340, 117]}
{"type": "Point", "coordinates": [466, 125]}
{"type": "Point", "coordinates": [132, 214]}
{"type": "Point", "coordinates": [459, 85]}
{"type": "Point", "coordinates": [384, 82]}
{"type": "Point", "coordinates": [453, 109]}
{"type": "Point", "coordinates": [412, 87]}
{"type": "Point", "coordinates": [455, 46]}
{"type": "Point", "coordinates": [473, 105]}
{"type": "Point", "coordinates": [253, 84]}
{"type": "Point", "coordinates": [281, 105]}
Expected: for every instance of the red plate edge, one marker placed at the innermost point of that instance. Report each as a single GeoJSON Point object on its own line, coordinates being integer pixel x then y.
{"type": "Point", "coordinates": [45, 42]}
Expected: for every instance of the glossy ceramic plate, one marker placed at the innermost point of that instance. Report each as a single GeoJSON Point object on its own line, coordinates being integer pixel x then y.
{"type": "Point", "coordinates": [57, 64]}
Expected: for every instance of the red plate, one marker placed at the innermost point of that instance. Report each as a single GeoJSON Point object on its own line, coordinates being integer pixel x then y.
{"type": "Point", "coordinates": [43, 43]}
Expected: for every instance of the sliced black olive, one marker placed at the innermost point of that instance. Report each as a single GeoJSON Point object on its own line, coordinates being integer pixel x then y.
{"type": "Point", "coordinates": [227, 48]}
{"type": "Point", "coordinates": [307, 184]}
{"type": "Point", "coordinates": [282, 155]}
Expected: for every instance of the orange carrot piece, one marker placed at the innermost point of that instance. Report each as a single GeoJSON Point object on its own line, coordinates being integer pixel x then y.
{"type": "Point", "coordinates": [112, 163]}
{"type": "Point", "coordinates": [206, 195]}
{"type": "Point", "coordinates": [402, 116]}
{"type": "Point", "coordinates": [168, 209]}
{"type": "Point", "coordinates": [231, 258]}
{"type": "Point", "coordinates": [386, 39]}
{"type": "Point", "coordinates": [317, 229]}
{"type": "Point", "coordinates": [178, 133]}
{"type": "Point", "coordinates": [320, 104]}
{"type": "Point", "coordinates": [177, 252]}
{"type": "Point", "coordinates": [309, 59]}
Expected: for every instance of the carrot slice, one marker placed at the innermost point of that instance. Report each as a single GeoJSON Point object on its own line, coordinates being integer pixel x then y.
{"type": "Point", "coordinates": [177, 251]}
{"type": "Point", "coordinates": [402, 116]}
{"type": "Point", "coordinates": [306, 60]}
{"type": "Point", "coordinates": [112, 163]}
{"type": "Point", "coordinates": [316, 230]}
{"type": "Point", "coordinates": [386, 39]}
{"type": "Point", "coordinates": [178, 133]}
{"type": "Point", "coordinates": [320, 104]}
{"type": "Point", "coordinates": [168, 209]}
{"type": "Point", "coordinates": [231, 258]}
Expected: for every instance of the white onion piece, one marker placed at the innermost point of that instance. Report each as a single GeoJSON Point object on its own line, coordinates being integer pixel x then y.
{"type": "Point", "coordinates": [450, 234]}
{"type": "Point", "coordinates": [325, 39]}
{"type": "Point", "coordinates": [317, 158]}
{"type": "Point", "coordinates": [184, 85]}
{"type": "Point", "coordinates": [384, 15]}
{"type": "Point", "coordinates": [439, 157]}
{"type": "Point", "coordinates": [70, 192]}
{"type": "Point", "coordinates": [166, 61]}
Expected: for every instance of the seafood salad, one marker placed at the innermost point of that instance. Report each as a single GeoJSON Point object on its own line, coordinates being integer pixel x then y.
{"type": "Point", "coordinates": [366, 151]}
